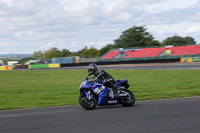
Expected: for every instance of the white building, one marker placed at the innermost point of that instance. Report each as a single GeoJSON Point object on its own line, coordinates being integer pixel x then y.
{"type": "Point", "coordinates": [12, 63]}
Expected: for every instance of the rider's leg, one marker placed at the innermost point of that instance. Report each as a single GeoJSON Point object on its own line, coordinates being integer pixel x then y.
{"type": "Point", "coordinates": [110, 83]}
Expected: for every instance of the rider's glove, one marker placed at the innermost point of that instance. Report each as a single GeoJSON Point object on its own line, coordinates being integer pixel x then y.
{"type": "Point", "coordinates": [94, 80]}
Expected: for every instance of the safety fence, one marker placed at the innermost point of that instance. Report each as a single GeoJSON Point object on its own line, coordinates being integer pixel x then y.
{"type": "Point", "coordinates": [123, 62]}
{"type": "Point", "coordinates": [190, 59]}
{"type": "Point", "coordinates": [6, 68]}
{"type": "Point", "coordinates": [163, 59]}
{"type": "Point", "coordinates": [44, 66]}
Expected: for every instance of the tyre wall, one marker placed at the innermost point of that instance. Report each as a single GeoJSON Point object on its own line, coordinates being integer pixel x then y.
{"type": "Point", "coordinates": [39, 66]}
{"type": "Point", "coordinates": [190, 59]}
{"type": "Point", "coordinates": [5, 68]}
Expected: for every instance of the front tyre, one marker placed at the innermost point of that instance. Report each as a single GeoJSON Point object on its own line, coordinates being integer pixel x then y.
{"type": "Point", "coordinates": [87, 104]}
{"type": "Point", "coordinates": [129, 100]}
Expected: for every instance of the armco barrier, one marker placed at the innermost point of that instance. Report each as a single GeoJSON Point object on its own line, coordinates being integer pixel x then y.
{"type": "Point", "coordinates": [39, 66]}
{"type": "Point", "coordinates": [5, 68]}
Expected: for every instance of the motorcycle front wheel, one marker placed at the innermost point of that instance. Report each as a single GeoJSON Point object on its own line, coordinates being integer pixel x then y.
{"type": "Point", "coordinates": [129, 100]}
{"type": "Point", "coordinates": [86, 103]}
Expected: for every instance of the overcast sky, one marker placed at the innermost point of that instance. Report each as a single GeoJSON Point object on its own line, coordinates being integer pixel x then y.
{"type": "Point", "coordinates": [32, 25]}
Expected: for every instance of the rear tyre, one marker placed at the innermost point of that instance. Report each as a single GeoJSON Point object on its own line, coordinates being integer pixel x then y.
{"type": "Point", "coordinates": [129, 100]}
{"type": "Point", "coordinates": [87, 104]}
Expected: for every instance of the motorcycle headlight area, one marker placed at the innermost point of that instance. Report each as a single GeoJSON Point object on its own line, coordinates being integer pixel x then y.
{"type": "Point", "coordinates": [82, 84]}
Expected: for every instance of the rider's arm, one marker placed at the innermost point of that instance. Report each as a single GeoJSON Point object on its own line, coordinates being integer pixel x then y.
{"type": "Point", "coordinates": [101, 72]}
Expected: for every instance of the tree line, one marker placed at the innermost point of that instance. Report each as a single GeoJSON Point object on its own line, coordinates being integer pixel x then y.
{"type": "Point", "coordinates": [134, 37]}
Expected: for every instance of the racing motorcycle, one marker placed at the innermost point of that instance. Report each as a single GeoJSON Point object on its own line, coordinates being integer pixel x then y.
{"type": "Point", "coordinates": [95, 93]}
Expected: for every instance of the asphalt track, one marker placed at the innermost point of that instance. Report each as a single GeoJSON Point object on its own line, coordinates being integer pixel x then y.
{"type": "Point", "coordinates": [157, 116]}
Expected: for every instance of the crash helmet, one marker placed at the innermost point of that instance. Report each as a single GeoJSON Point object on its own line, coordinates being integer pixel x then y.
{"type": "Point", "coordinates": [92, 68]}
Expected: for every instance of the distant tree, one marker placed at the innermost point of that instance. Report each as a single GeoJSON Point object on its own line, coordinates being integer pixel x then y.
{"type": "Point", "coordinates": [38, 54]}
{"type": "Point", "coordinates": [136, 36]}
{"type": "Point", "coordinates": [65, 53]}
{"type": "Point", "coordinates": [51, 53]}
{"type": "Point", "coordinates": [178, 41]}
{"type": "Point", "coordinates": [87, 53]}
{"type": "Point", "coordinates": [55, 52]}
{"type": "Point", "coordinates": [105, 49]}
{"type": "Point", "coordinates": [91, 53]}
{"type": "Point", "coordinates": [190, 40]}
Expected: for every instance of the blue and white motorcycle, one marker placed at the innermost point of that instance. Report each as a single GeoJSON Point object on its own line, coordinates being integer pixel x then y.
{"type": "Point", "coordinates": [95, 93]}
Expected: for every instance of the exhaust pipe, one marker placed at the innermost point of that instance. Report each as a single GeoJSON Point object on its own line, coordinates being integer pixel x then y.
{"type": "Point", "coordinates": [123, 95]}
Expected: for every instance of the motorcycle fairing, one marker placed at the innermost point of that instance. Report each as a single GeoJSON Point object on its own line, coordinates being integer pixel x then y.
{"type": "Point", "coordinates": [122, 82]}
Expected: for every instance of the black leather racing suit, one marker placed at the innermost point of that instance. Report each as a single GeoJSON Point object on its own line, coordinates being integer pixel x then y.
{"type": "Point", "coordinates": [100, 74]}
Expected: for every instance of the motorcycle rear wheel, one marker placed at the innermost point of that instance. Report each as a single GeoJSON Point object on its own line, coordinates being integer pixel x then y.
{"type": "Point", "coordinates": [128, 101]}
{"type": "Point", "coordinates": [87, 104]}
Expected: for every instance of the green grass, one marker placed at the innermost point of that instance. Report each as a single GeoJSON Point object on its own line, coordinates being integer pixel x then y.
{"type": "Point", "coordinates": [42, 88]}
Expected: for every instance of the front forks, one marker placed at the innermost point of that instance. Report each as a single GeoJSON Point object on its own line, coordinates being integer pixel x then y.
{"type": "Point", "coordinates": [90, 95]}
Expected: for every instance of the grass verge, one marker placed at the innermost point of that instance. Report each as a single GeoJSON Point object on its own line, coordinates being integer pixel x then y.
{"type": "Point", "coordinates": [42, 88]}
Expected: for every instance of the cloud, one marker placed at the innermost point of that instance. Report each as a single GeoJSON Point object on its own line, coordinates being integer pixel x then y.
{"type": "Point", "coordinates": [141, 2]}
{"type": "Point", "coordinates": [40, 24]}
{"type": "Point", "coordinates": [171, 17]}
{"type": "Point", "coordinates": [193, 29]}
{"type": "Point", "coordinates": [115, 7]}
{"type": "Point", "coordinates": [167, 5]}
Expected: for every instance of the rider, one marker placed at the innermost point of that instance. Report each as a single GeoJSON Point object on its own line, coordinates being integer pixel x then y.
{"type": "Point", "coordinates": [101, 74]}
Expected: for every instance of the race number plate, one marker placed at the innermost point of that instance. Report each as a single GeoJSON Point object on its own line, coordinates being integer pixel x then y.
{"type": "Point", "coordinates": [112, 101]}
